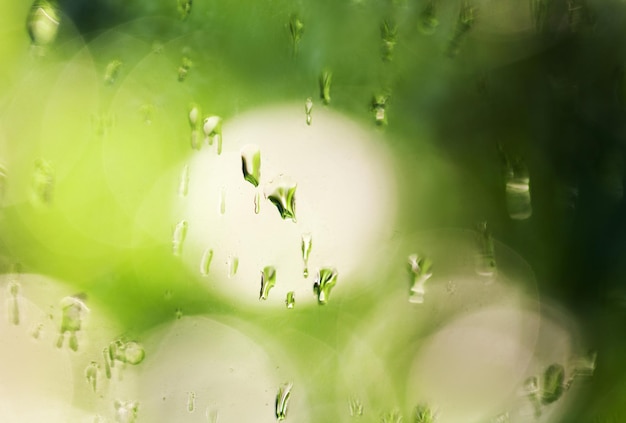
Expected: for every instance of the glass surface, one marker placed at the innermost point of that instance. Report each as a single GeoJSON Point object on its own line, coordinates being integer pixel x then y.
{"type": "Point", "coordinates": [349, 210]}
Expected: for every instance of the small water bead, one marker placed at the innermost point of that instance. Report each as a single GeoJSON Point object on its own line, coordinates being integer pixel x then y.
{"type": "Point", "coordinates": [112, 71]}
{"type": "Point", "coordinates": [212, 128]}
{"type": "Point", "coordinates": [282, 401]}
{"type": "Point", "coordinates": [126, 411]}
{"type": "Point", "coordinates": [183, 70]}
{"type": "Point", "coordinates": [485, 255]}
{"type": "Point", "coordinates": [324, 283]}
{"type": "Point", "coordinates": [43, 183]}
{"type": "Point", "coordinates": [257, 202]}
{"type": "Point", "coordinates": [326, 79]}
{"type": "Point", "coordinates": [72, 309]}
{"type": "Point", "coordinates": [552, 383]}
{"type": "Point", "coordinates": [178, 238]}
{"type": "Point", "coordinates": [108, 361]}
{"type": "Point", "coordinates": [251, 163]}
{"type": "Point", "coordinates": [355, 406]}
{"type": "Point", "coordinates": [420, 269]}
{"type": "Point", "coordinates": [191, 402]}
{"type": "Point", "coordinates": [183, 186]}
{"type": "Point", "coordinates": [233, 266]}
{"type": "Point", "coordinates": [388, 34]}
{"type": "Point", "coordinates": [428, 21]}
{"type": "Point", "coordinates": [43, 22]}
{"type": "Point", "coordinates": [282, 193]}
{"type": "Point", "coordinates": [91, 374]}
{"type": "Point", "coordinates": [305, 246]}
{"type": "Point", "coordinates": [205, 262]}
{"type": "Point", "coordinates": [194, 116]}
{"type": "Point", "coordinates": [13, 303]}
{"type": "Point", "coordinates": [517, 181]}
{"type": "Point", "coordinates": [222, 201]}
{"type": "Point", "coordinates": [268, 281]}
{"type": "Point", "coordinates": [379, 104]}
{"type": "Point", "coordinates": [423, 414]}
{"type": "Point", "coordinates": [129, 352]}
{"type": "Point", "coordinates": [296, 28]}
{"type": "Point", "coordinates": [464, 24]}
{"type": "Point", "coordinates": [290, 301]}
{"type": "Point", "coordinates": [184, 8]}
{"type": "Point", "coordinates": [308, 108]}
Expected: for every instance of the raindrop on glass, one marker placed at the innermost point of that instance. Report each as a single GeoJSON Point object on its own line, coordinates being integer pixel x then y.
{"type": "Point", "coordinates": [326, 79]}
{"type": "Point", "coordinates": [126, 411]}
{"type": "Point", "coordinates": [485, 254]}
{"type": "Point", "coordinates": [183, 186]}
{"type": "Point", "coordinates": [178, 238]}
{"type": "Point", "coordinates": [324, 283]}
{"type": "Point", "coordinates": [43, 183]}
{"type": "Point", "coordinates": [183, 69]}
{"type": "Point", "coordinates": [257, 202]}
{"type": "Point", "coordinates": [108, 361]}
{"type": "Point", "coordinates": [464, 24]}
{"type": "Point", "coordinates": [388, 34]}
{"type": "Point", "coordinates": [72, 309]}
{"type": "Point", "coordinates": [308, 108]}
{"type": "Point", "coordinates": [191, 402]}
{"type": "Point", "coordinates": [531, 390]}
{"type": "Point", "coordinates": [13, 302]}
{"type": "Point", "coordinates": [43, 22]}
{"type": "Point", "coordinates": [420, 269]}
{"type": "Point", "coordinates": [290, 301]}
{"type": "Point", "coordinates": [205, 262]}
{"type": "Point", "coordinates": [428, 21]}
{"type": "Point", "coordinates": [222, 201]}
{"type": "Point", "coordinates": [268, 280]}
{"type": "Point", "coordinates": [379, 104]}
{"type": "Point", "coordinates": [356, 407]}
{"type": "Point", "coordinates": [112, 71]}
{"type": "Point", "coordinates": [305, 246]}
{"type": "Point", "coordinates": [282, 401]}
{"type": "Point", "coordinates": [552, 385]}
{"type": "Point", "coordinates": [184, 8]}
{"type": "Point", "coordinates": [212, 128]}
{"type": "Point", "coordinates": [233, 265]}
{"type": "Point", "coordinates": [296, 28]}
{"type": "Point", "coordinates": [91, 374]}
{"type": "Point", "coordinates": [251, 164]}
{"type": "Point", "coordinates": [517, 183]}
{"type": "Point", "coordinates": [130, 352]}
{"type": "Point", "coordinates": [282, 193]}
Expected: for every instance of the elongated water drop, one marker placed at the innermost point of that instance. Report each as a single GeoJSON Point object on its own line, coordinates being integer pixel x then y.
{"type": "Point", "coordinates": [324, 283]}
{"type": "Point", "coordinates": [112, 71]}
{"type": "Point", "coordinates": [233, 266]}
{"type": "Point", "coordinates": [296, 28]}
{"type": "Point", "coordinates": [428, 22]}
{"type": "Point", "coordinates": [465, 22]}
{"type": "Point", "coordinates": [43, 21]}
{"type": "Point", "coordinates": [183, 186]}
{"type": "Point", "coordinates": [420, 269]}
{"type": "Point", "coordinates": [251, 163]}
{"type": "Point", "coordinates": [211, 415]}
{"type": "Point", "coordinates": [222, 201]}
{"type": "Point", "coordinates": [306, 245]}
{"type": "Point", "coordinates": [282, 193]}
{"type": "Point", "coordinates": [129, 352]}
{"type": "Point", "coordinates": [268, 280]}
{"type": "Point", "coordinates": [290, 300]}
{"type": "Point", "coordinates": [282, 401]}
{"type": "Point", "coordinates": [191, 402]}
{"type": "Point", "coordinates": [106, 354]}
{"type": "Point", "coordinates": [485, 254]}
{"type": "Point", "coordinates": [326, 78]}
{"type": "Point", "coordinates": [379, 105]}
{"type": "Point", "coordinates": [257, 202]}
{"type": "Point", "coordinates": [126, 411]}
{"type": "Point", "coordinates": [194, 123]}
{"type": "Point", "coordinates": [13, 306]}
{"type": "Point", "coordinates": [184, 8]}
{"type": "Point", "coordinates": [205, 262]}
{"type": "Point", "coordinates": [43, 183]}
{"type": "Point", "coordinates": [552, 383]}
{"type": "Point", "coordinates": [356, 407]}
{"type": "Point", "coordinates": [531, 390]}
{"type": "Point", "coordinates": [3, 184]}
{"type": "Point", "coordinates": [388, 34]}
{"type": "Point", "coordinates": [517, 183]}
{"type": "Point", "coordinates": [423, 414]}
{"type": "Point", "coordinates": [72, 309]}
{"type": "Point", "coordinates": [91, 374]}
{"type": "Point", "coordinates": [178, 238]}
{"type": "Point", "coordinates": [212, 128]}
{"type": "Point", "coordinates": [308, 108]}
{"type": "Point", "coordinates": [183, 70]}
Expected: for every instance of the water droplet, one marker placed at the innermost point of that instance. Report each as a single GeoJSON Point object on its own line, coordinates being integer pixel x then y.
{"type": "Point", "coordinates": [195, 139]}
{"type": "Point", "coordinates": [296, 28]}
{"type": "Point", "coordinates": [43, 183]}
{"type": "Point", "coordinates": [268, 280]}
{"type": "Point", "coordinates": [251, 163]}
{"type": "Point", "coordinates": [194, 116]}
{"type": "Point", "coordinates": [180, 232]}
{"type": "Point", "coordinates": [282, 401]}
{"type": "Point", "coordinates": [464, 24]}
{"type": "Point", "coordinates": [290, 301]}
{"type": "Point", "coordinates": [233, 265]}
{"type": "Point", "coordinates": [112, 71]}
{"type": "Point", "coordinates": [183, 186]}
{"type": "Point", "coordinates": [306, 245]}
{"type": "Point", "coordinates": [391, 417]}
{"type": "Point", "coordinates": [423, 414]}
{"type": "Point", "coordinates": [205, 262]}
{"type": "Point", "coordinates": [43, 22]}
{"type": "Point", "coordinates": [222, 201]}
{"type": "Point", "coordinates": [379, 104]}
{"type": "Point", "coordinates": [324, 283]}
{"type": "Point", "coordinates": [91, 374]}
{"type": "Point", "coordinates": [531, 390]}
{"type": "Point", "coordinates": [485, 255]}
{"type": "Point", "coordinates": [257, 202]}
{"type": "Point", "coordinates": [191, 402]}
{"type": "Point", "coordinates": [356, 407]}
{"type": "Point", "coordinates": [183, 69]}
{"type": "Point", "coordinates": [126, 411]}
{"type": "Point", "coordinates": [282, 193]}
{"type": "Point", "coordinates": [518, 201]}
{"type": "Point", "coordinates": [326, 79]}
{"type": "Point", "coordinates": [420, 269]}
{"type": "Point", "coordinates": [3, 184]}
{"type": "Point", "coordinates": [108, 361]}
{"type": "Point", "coordinates": [552, 383]}
{"type": "Point", "coordinates": [308, 107]}
{"type": "Point", "coordinates": [212, 128]}
{"type": "Point", "coordinates": [72, 309]}
{"type": "Point", "coordinates": [388, 34]}
{"type": "Point", "coordinates": [13, 306]}
{"type": "Point", "coordinates": [211, 415]}
{"type": "Point", "coordinates": [184, 8]}
{"type": "Point", "coordinates": [428, 21]}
